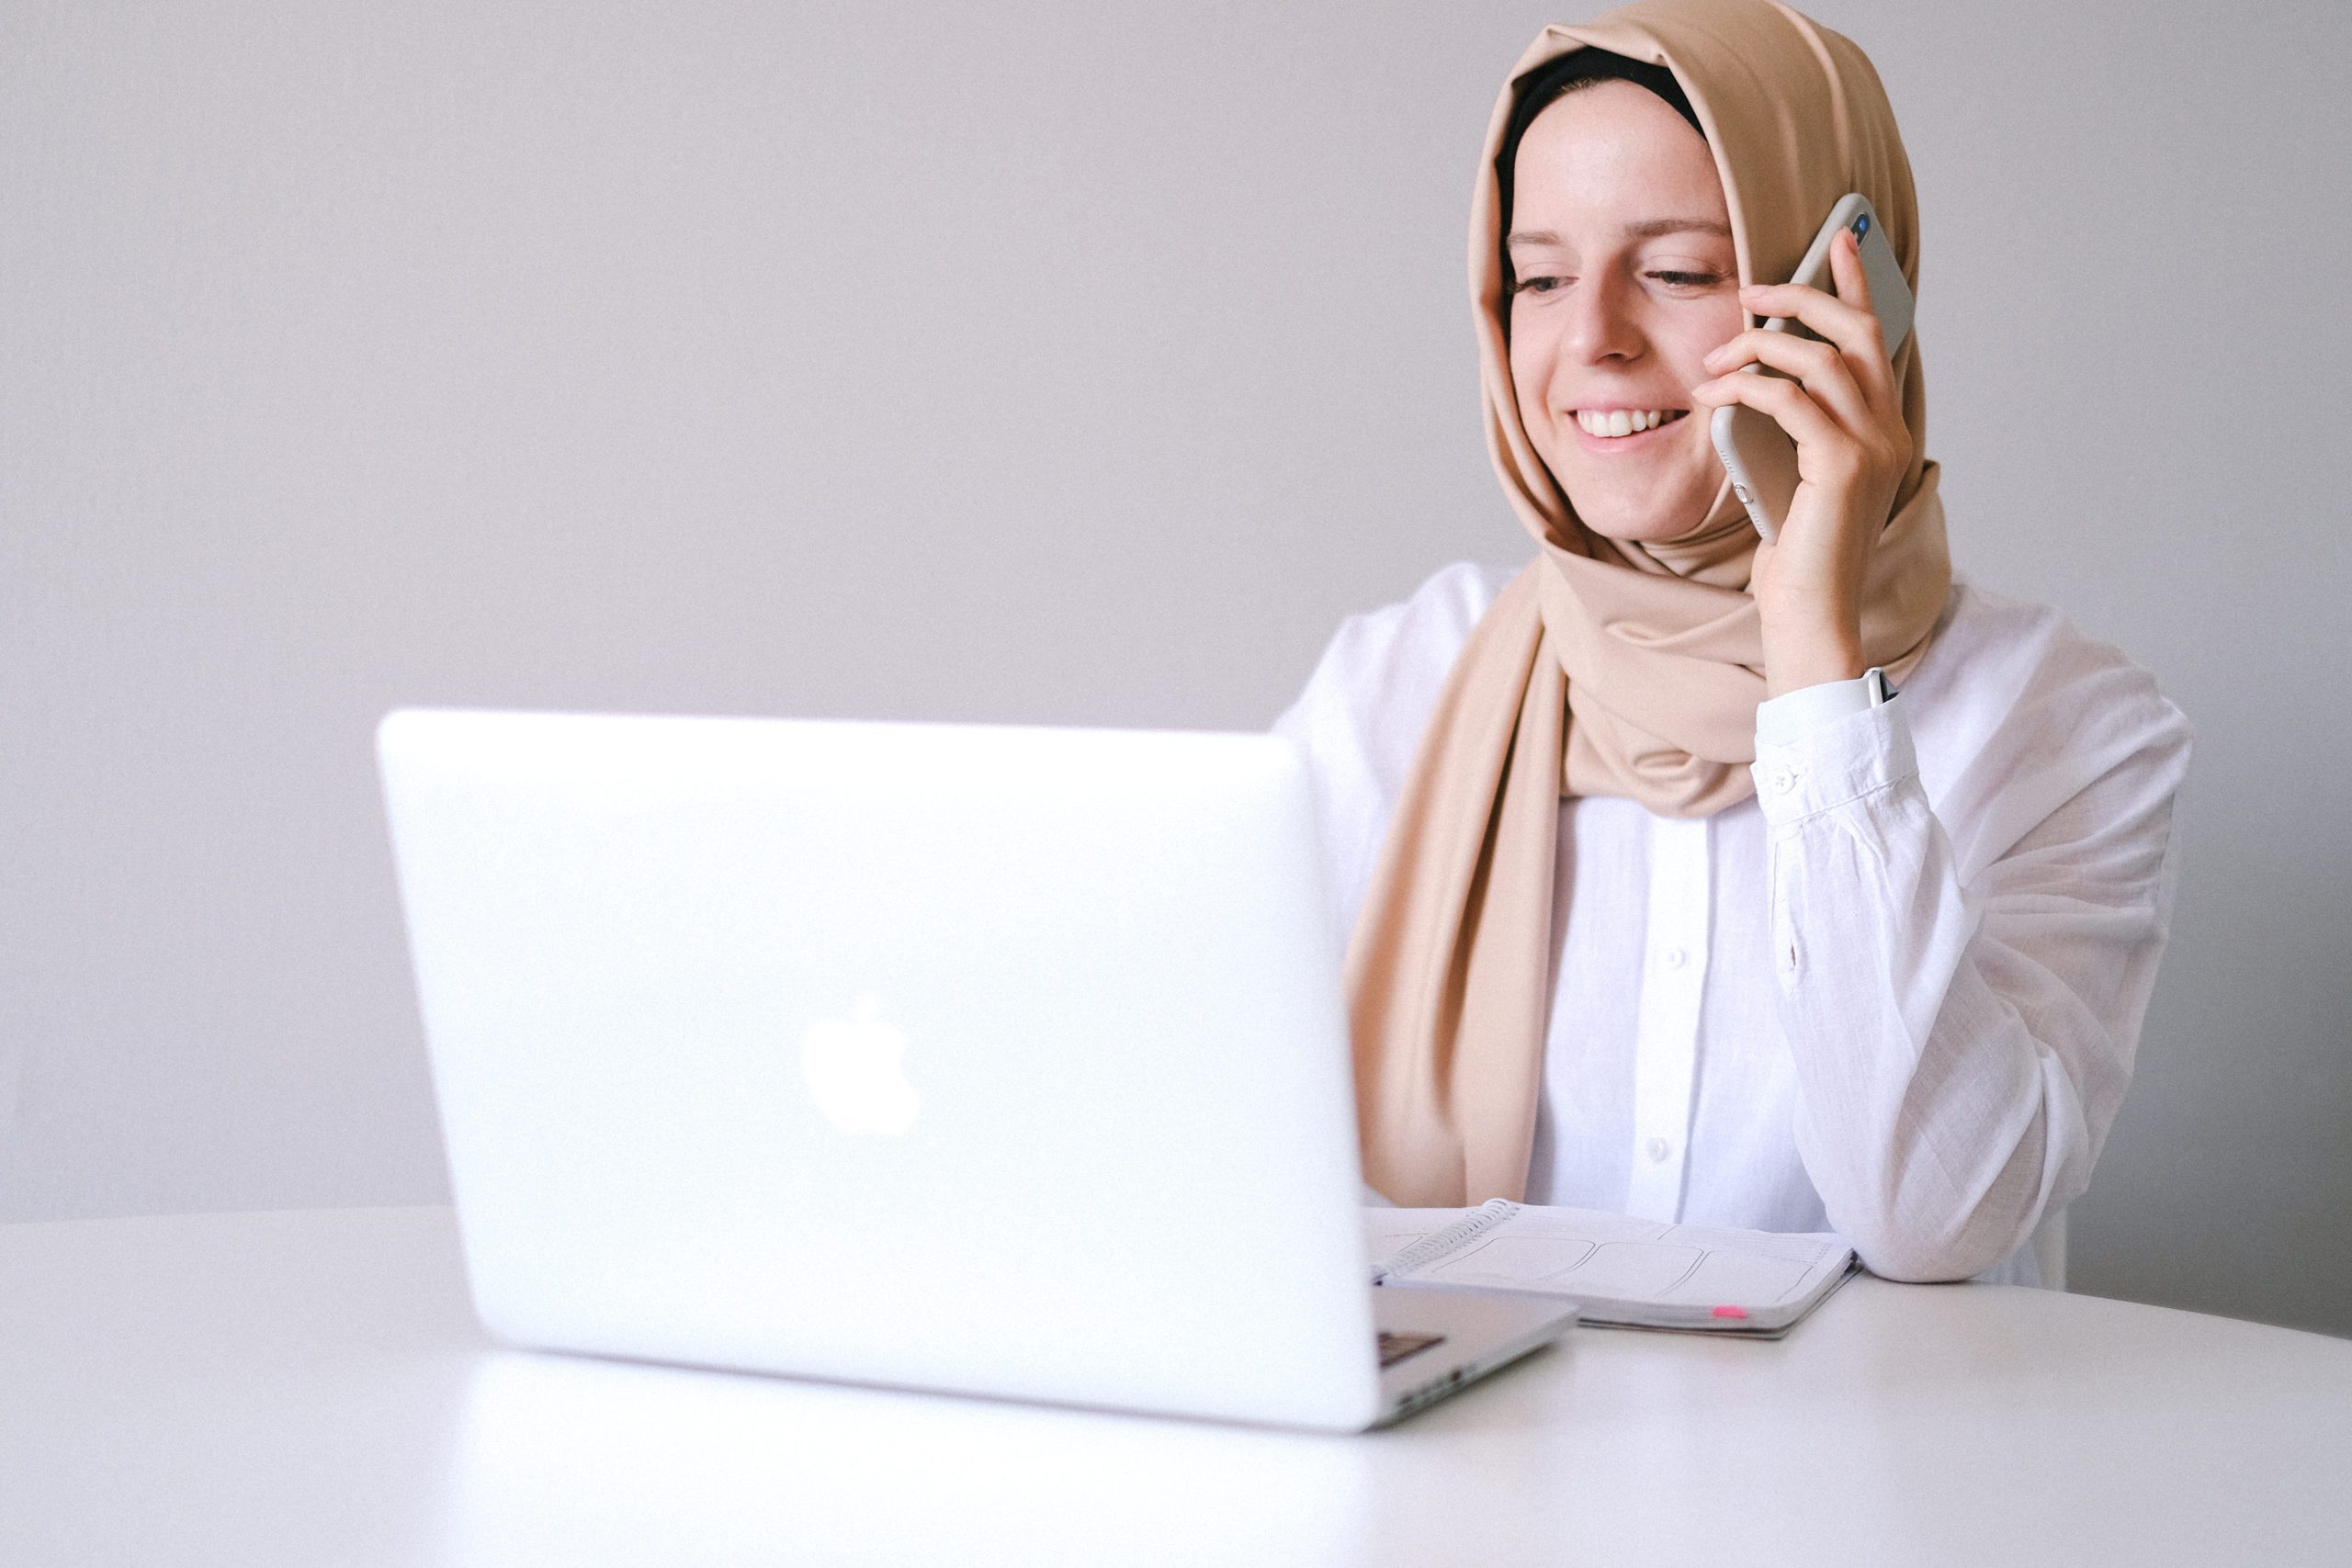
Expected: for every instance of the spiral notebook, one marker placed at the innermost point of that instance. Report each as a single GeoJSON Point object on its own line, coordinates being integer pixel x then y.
{"type": "Point", "coordinates": [1624, 1272]}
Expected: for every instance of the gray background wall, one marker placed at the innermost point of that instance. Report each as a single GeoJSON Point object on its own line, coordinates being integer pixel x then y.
{"type": "Point", "coordinates": [1074, 363]}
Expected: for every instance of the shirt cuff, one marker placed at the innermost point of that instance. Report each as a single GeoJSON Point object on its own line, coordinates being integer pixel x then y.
{"type": "Point", "coordinates": [1841, 760]}
{"type": "Point", "coordinates": [1793, 715]}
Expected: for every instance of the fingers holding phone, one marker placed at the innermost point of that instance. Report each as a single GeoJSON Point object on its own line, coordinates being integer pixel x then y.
{"type": "Point", "coordinates": [1835, 396]}
{"type": "Point", "coordinates": [1809, 422]}
{"type": "Point", "coordinates": [1850, 293]}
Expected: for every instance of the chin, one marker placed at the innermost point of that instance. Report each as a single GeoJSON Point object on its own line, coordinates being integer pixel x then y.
{"type": "Point", "coordinates": [1640, 514]}
{"type": "Point", "coordinates": [1639, 519]}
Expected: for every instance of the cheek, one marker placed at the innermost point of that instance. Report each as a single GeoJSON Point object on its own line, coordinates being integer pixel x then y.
{"type": "Point", "coordinates": [1531, 372]}
{"type": "Point", "coordinates": [1688, 353]}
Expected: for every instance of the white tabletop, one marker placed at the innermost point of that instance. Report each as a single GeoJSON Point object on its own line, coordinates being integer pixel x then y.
{"type": "Point", "coordinates": [309, 1388]}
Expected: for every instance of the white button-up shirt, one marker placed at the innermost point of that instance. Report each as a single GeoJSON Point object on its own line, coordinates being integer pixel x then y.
{"type": "Point", "coordinates": [1896, 994]}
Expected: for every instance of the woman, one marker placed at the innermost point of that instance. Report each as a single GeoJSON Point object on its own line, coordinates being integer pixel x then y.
{"type": "Point", "coordinates": [1793, 886]}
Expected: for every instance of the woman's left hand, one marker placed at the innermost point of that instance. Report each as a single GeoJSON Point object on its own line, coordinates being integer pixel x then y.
{"type": "Point", "coordinates": [1845, 413]}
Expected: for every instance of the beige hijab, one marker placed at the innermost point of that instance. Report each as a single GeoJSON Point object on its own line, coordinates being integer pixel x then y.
{"type": "Point", "coordinates": [1608, 668]}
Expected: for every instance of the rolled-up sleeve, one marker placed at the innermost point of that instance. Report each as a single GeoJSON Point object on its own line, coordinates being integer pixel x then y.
{"type": "Point", "coordinates": [1963, 1021]}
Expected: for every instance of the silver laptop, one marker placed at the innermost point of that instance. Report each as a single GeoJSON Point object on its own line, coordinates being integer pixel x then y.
{"type": "Point", "coordinates": [1001, 1061]}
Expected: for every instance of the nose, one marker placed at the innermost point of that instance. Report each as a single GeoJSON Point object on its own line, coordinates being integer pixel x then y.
{"type": "Point", "coordinates": [1603, 324]}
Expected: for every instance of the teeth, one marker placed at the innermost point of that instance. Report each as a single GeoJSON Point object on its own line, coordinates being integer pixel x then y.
{"type": "Point", "coordinates": [1624, 421]}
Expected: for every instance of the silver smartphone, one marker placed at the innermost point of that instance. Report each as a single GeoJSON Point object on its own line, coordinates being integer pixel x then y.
{"type": "Point", "coordinates": [1761, 455]}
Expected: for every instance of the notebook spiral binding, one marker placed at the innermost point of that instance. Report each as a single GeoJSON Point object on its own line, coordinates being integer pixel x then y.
{"type": "Point", "coordinates": [1476, 1223]}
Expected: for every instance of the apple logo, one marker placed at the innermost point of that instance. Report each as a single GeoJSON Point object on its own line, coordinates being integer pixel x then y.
{"type": "Point", "coordinates": [856, 1071]}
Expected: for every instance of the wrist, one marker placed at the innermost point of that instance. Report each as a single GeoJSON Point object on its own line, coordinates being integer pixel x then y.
{"type": "Point", "coordinates": [1816, 658]}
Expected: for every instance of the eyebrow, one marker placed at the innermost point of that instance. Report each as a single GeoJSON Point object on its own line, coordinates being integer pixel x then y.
{"type": "Point", "coordinates": [1649, 229]}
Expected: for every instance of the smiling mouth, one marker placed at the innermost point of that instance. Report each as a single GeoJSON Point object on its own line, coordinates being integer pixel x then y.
{"type": "Point", "coordinates": [1624, 422]}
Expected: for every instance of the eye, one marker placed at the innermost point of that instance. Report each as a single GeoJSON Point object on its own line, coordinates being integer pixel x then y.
{"type": "Point", "coordinates": [1689, 279]}
{"type": "Point", "coordinates": [1539, 284]}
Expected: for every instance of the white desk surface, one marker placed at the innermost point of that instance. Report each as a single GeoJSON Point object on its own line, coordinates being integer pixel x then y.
{"type": "Point", "coordinates": [310, 1388]}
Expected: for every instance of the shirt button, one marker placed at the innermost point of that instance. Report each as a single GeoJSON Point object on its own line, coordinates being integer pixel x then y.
{"type": "Point", "coordinates": [1676, 957]}
{"type": "Point", "coordinates": [1783, 780]}
{"type": "Point", "coordinates": [1659, 1148]}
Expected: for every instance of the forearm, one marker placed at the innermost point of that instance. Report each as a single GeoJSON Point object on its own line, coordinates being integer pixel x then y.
{"type": "Point", "coordinates": [1955, 1082]}
{"type": "Point", "coordinates": [1935, 1126]}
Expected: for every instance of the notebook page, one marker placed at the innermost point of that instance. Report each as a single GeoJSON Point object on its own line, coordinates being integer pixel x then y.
{"type": "Point", "coordinates": [1387, 1232]}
